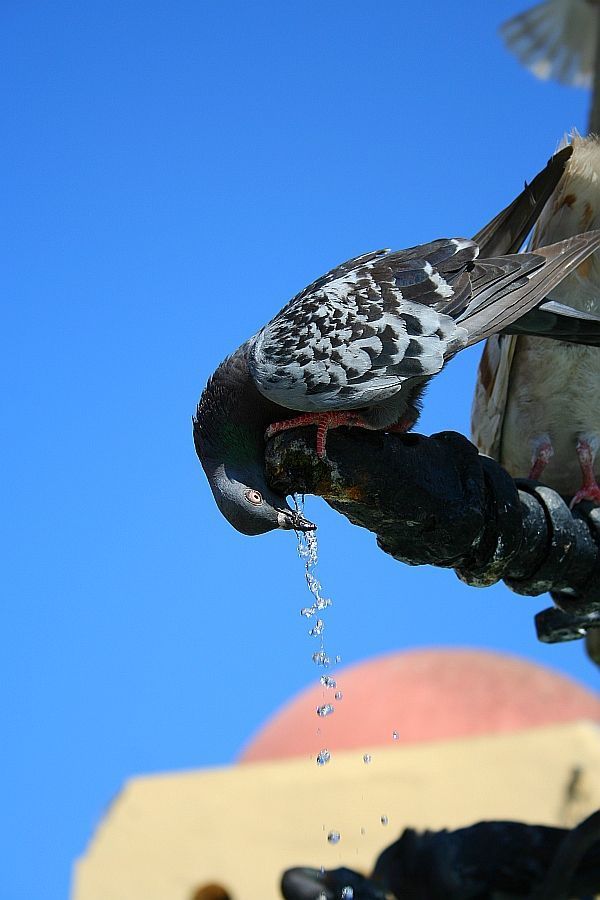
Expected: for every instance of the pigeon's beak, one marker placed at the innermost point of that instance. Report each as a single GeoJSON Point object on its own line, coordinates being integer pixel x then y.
{"type": "Point", "coordinates": [289, 518]}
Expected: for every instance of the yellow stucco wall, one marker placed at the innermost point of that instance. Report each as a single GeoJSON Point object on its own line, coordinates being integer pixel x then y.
{"type": "Point", "coordinates": [242, 825]}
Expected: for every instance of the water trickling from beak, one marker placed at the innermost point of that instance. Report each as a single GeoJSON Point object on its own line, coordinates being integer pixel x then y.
{"type": "Point", "coordinates": [308, 552]}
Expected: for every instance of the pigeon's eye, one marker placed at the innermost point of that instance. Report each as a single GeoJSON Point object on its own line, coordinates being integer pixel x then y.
{"type": "Point", "coordinates": [254, 497]}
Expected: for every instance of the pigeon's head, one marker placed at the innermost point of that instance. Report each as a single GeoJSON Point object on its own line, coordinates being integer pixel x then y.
{"type": "Point", "coordinates": [250, 505]}
{"type": "Point", "coordinates": [229, 428]}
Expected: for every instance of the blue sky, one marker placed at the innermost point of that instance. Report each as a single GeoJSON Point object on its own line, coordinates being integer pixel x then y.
{"type": "Point", "coordinates": [175, 172]}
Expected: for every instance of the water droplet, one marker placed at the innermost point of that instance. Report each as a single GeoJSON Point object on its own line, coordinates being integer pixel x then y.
{"type": "Point", "coordinates": [325, 710]}
{"type": "Point", "coordinates": [348, 893]}
{"type": "Point", "coordinates": [338, 695]}
{"type": "Point", "coordinates": [333, 837]}
{"type": "Point", "coordinates": [338, 658]}
{"type": "Point", "coordinates": [367, 758]}
{"type": "Point", "coordinates": [384, 820]}
{"type": "Point", "coordinates": [395, 735]}
{"type": "Point", "coordinates": [323, 757]}
{"type": "Point", "coordinates": [317, 628]}
{"type": "Point", "coordinates": [314, 585]}
{"type": "Point", "coordinates": [328, 681]}
{"type": "Point", "coordinates": [308, 551]}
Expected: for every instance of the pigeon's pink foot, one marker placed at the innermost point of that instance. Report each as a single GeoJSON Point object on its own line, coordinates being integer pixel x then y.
{"type": "Point", "coordinates": [543, 453]}
{"type": "Point", "coordinates": [589, 489]}
{"type": "Point", "coordinates": [323, 421]}
{"type": "Point", "coordinates": [586, 492]}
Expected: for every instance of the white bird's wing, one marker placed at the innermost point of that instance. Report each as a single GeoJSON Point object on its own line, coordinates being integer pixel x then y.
{"type": "Point", "coordinates": [574, 208]}
{"type": "Point", "coordinates": [571, 313]}
{"type": "Point", "coordinates": [556, 39]}
{"type": "Point", "coordinates": [491, 394]}
{"type": "Point", "coordinates": [507, 231]}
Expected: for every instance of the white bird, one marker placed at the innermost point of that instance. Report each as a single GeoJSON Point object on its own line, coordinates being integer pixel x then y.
{"type": "Point", "coordinates": [537, 401]}
{"type": "Point", "coordinates": [556, 39]}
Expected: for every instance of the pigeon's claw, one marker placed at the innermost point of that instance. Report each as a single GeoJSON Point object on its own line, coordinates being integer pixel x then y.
{"type": "Point", "coordinates": [542, 454]}
{"type": "Point", "coordinates": [589, 489]}
{"type": "Point", "coordinates": [589, 492]}
{"type": "Point", "coordinates": [323, 421]}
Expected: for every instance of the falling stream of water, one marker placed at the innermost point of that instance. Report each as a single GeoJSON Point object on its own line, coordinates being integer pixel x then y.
{"type": "Point", "coordinates": [308, 553]}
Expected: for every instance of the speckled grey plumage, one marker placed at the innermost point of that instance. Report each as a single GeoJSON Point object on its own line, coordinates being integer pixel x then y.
{"type": "Point", "coordinates": [351, 339]}
{"type": "Point", "coordinates": [365, 337]}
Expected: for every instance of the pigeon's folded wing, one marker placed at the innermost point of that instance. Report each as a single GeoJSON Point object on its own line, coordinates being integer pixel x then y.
{"type": "Point", "coordinates": [496, 307]}
{"type": "Point", "coordinates": [491, 393]}
{"type": "Point", "coordinates": [354, 336]}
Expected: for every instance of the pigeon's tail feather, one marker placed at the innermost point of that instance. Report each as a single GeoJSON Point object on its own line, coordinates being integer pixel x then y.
{"type": "Point", "coordinates": [555, 39]}
{"type": "Point", "coordinates": [559, 322]}
{"type": "Point", "coordinates": [507, 231]}
{"type": "Point", "coordinates": [494, 314]}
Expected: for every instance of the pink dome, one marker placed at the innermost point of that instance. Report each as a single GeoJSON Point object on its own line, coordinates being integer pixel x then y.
{"type": "Point", "coordinates": [423, 695]}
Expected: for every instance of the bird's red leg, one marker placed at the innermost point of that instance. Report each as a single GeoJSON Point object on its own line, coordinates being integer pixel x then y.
{"type": "Point", "coordinates": [589, 489]}
{"type": "Point", "coordinates": [323, 421]}
{"type": "Point", "coordinates": [322, 428]}
{"type": "Point", "coordinates": [297, 422]}
{"type": "Point", "coordinates": [543, 453]}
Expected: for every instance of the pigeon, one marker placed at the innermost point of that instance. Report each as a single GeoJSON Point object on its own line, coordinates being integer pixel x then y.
{"type": "Point", "coordinates": [358, 346]}
{"type": "Point", "coordinates": [556, 39]}
{"type": "Point", "coordinates": [537, 401]}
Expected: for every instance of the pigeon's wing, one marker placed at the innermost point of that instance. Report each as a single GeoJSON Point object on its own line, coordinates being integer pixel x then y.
{"type": "Point", "coordinates": [491, 394]}
{"type": "Point", "coordinates": [555, 39]}
{"type": "Point", "coordinates": [561, 201]}
{"type": "Point", "coordinates": [354, 339]}
{"type": "Point", "coordinates": [575, 207]}
{"type": "Point", "coordinates": [496, 305]}
{"type": "Point", "coordinates": [338, 272]}
{"type": "Point", "coordinates": [370, 326]}
{"type": "Point", "coordinates": [356, 335]}
{"type": "Point", "coordinates": [508, 230]}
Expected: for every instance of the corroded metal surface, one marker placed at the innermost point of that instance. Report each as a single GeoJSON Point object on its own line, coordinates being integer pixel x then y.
{"type": "Point", "coordinates": [435, 500]}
